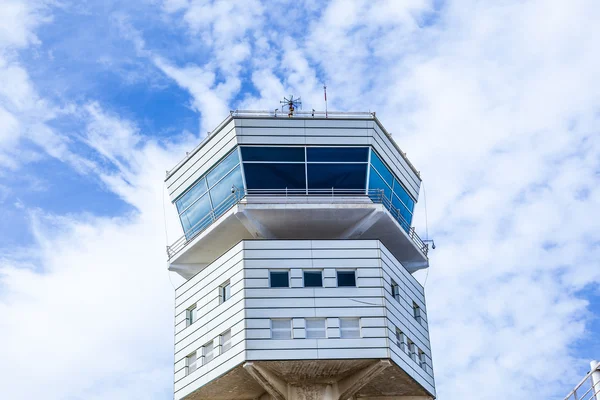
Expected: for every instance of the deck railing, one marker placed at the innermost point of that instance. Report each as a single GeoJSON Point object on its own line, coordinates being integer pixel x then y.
{"type": "Point", "coordinates": [589, 387]}
{"type": "Point", "coordinates": [237, 195]}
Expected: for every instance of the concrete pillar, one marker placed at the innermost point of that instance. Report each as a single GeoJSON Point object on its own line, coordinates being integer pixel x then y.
{"type": "Point", "coordinates": [595, 368]}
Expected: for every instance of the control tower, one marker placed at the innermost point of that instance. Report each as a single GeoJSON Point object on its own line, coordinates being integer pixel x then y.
{"type": "Point", "coordinates": [298, 254]}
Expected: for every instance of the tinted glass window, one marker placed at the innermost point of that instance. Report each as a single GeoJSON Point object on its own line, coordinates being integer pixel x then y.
{"type": "Point", "coordinates": [223, 168]}
{"type": "Point", "coordinates": [222, 190]}
{"type": "Point", "coordinates": [192, 218]}
{"type": "Point", "coordinates": [289, 154]}
{"type": "Point", "coordinates": [313, 279]}
{"type": "Point", "coordinates": [346, 278]}
{"type": "Point", "coordinates": [339, 176]}
{"type": "Point", "coordinates": [383, 171]}
{"type": "Point", "coordinates": [403, 195]}
{"type": "Point", "coordinates": [375, 182]}
{"type": "Point", "coordinates": [275, 176]}
{"type": "Point", "coordinates": [280, 279]}
{"type": "Point", "coordinates": [331, 154]}
{"type": "Point", "coordinates": [195, 192]}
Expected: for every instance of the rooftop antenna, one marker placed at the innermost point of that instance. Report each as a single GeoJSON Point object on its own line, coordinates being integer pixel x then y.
{"type": "Point", "coordinates": [325, 92]}
{"type": "Point", "coordinates": [291, 104]}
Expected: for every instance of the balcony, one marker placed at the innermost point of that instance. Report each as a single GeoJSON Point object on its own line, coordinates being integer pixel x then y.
{"type": "Point", "coordinates": [299, 214]}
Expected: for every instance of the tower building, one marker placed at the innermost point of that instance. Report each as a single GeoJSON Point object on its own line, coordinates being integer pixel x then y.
{"type": "Point", "coordinates": [298, 254]}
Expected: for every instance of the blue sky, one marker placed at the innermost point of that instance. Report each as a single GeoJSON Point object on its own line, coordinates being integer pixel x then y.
{"type": "Point", "coordinates": [494, 102]}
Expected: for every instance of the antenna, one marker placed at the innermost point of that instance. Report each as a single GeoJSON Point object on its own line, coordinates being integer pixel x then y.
{"type": "Point", "coordinates": [325, 92]}
{"type": "Point", "coordinates": [291, 104]}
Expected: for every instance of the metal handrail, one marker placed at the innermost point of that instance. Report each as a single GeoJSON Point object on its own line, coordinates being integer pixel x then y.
{"type": "Point", "coordinates": [375, 195]}
{"type": "Point", "coordinates": [593, 390]}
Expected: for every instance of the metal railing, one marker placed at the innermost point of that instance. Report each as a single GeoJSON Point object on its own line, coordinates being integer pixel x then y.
{"type": "Point", "coordinates": [588, 388]}
{"type": "Point", "coordinates": [237, 195]}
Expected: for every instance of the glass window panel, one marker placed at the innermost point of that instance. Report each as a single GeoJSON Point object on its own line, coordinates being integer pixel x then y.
{"type": "Point", "coordinates": [222, 190]}
{"type": "Point", "coordinates": [403, 195]}
{"type": "Point", "coordinates": [192, 362]}
{"type": "Point", "coordinates": [279, 279]}
{"type": "Point", "coordinates": [383, 170]}
{"type": "Point", "coordinates": [275, 176]}
{"type": "Point", "coordinates": [339, 176]}
{"type": "Point", "coordinates": [315, 328]}
{"type": "Point", "coordinates": [346, 278]}
{"type": "Point", "coordinates": [402, 210]}
{"type": "Point", "coordinates": [349, 328]}
{"type": "Point", "coordinates": [284, 154]}
{"type": "Point", "coordinates": [225, 292]}
{"type": "Point", "coordinates": [209, 353]}
{"type": "Point", "coordinates": [195, 192]}
{"type": "Point", "coordinates": [313, 279]}
{"type": "Point", "coordinates": [222, 168]}
{"type": "Point", "coordinates": [193, 219]}
{"type": "Point", "coordinates": [226, 341]}
{"type": "Point", "coordinates": [376, 182]}
{"type": "Point", "coordinates": [281, 329]}
{"type": "Point", "coordinates": [331, 154]}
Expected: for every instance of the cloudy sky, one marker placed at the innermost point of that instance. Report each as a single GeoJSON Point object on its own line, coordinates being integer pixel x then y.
{"type": "Point", "coordinates": [496, 103]}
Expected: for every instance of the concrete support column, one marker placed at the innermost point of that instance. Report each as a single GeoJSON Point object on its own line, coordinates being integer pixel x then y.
{"type": "Point", "coordinates": [595, 368]}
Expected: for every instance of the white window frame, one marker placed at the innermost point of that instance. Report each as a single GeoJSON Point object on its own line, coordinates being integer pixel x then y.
{"type": "Point", "coordinates": [206, 353]}
{"type": "Point", "coordinates": [308, 336]}
{"type": "Point", "coordinates": [401, 341]}
{"type": "Point", "coordinates": [191, 364]}
{"type": "Point", "coordinates": [422, 359]}
{"type": "Point", "coordinates": [225, 343]}
{"type": "Point", "coordinates": [281, 270]}
{"type": "Point", "coordinates": [352, 333]}
{"type": "Point", "coordinates": [273, 329]}
{"type": "Point", "coordinates": [337, 271]}
{"type": "Point", "coordinates": [225, 292]}
{"type": "Point", "coordinates": [395, 290]}
{"type": "Point", "coordinates": [191, 315]}
{"type": "Point", "coordinates": [312, 270]}
{"type": "Point", "coordinates": [417, 312]}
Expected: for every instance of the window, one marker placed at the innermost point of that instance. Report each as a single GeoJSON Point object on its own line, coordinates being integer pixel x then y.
{"type": "Point", "coordinates": [190, 315]}
{"type": "Point", "coordinates": [422, 360]}
{"type": "Point", "coordinates": [401, 340]}
{"type": "Point", "coordinates": [333, 154]}
{"type": "Point", "coordinates": [337, 176]}
{"type": "Point", "coordinates": [417, 312]}
{"type": "Point", "coordinates": [346, 278]}
{"type": "Point", "coordinates": [395, 290]}
{"type": "Point", "coordinates": [226, 341]}
{"type": "Point", "coordinates": [191, 363]}
{"type": "Point", "coordinates": [279, 279]}
{"type": "Point", "coordinates": [225, 291]}
{"type": "Point", "coordinates": [313, 278]}
{"type": "Point", "coordinates": [349, 328]}
{"type": "Point", "coordinates": [412, 349]}
{"type": "Point", "coordinates": [315, 328]}
{"type": "Point", "coordinates": [281, 329]}
{"type": "Point", "coordinates": [208, 351]}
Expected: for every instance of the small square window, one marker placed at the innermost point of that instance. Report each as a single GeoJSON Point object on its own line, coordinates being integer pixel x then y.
{"type": "Point", "coordinates": [191, 362]}
{"type": "Point", "coordinates": [208, 351]}
{"type": "Point", "coordinates": [279, 279]}
{"type": "Point", "coordinates": [225, 341]}
{"type": "Point", "coordinates": [349, 328]}
{"type": "Point", "coordinates": [281, 329]}
{"type": "Point", "coordinates": [315, 328]}
{"type": "Point", "coordinates": [190, 315]}
{"type": "Point", "coordinates": [225, 290]}
{"type": "Point", "coordinates": [416, 311]}
{"type": "Point", "coordinates": [313, 278]}
{"type": "Point", "coordinates": [346, 278]}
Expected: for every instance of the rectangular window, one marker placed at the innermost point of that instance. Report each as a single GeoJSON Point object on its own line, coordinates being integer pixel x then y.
{"type": "Point", "coordinates": [208, 351]}
{"type": "Point", "coordinates": [349, 328]}
{"type": "Point", "coordinates": [273, 153]}
{"type": "Point", "coordinates": [313, 278]}
{"type": "Point", "coordinates": [226, 341]}
{"type": "Point", "coordinates": [190, 315]}
{"type": "Point", "coordinates": [339, 154]}
{"type": "Point", "coordinates": [395, 290]}
{"type": "Point", "coordinates": [422, 360]}
{"type": "Point", "coordinates": [315, 328]}
{"type": "Point", "coordinates": [401, 340]}
{"type": "Point", "coordinates": [191, 363]}
{"type": "Point", "coordinates": [281, 329]}
{"type": "Point", "coordinates": [225, 291]}
{"type": "Point", "coordinates": [279, 279]}
{"type": "Point", "coordinates": [412, 349]}
{"type": "Point", "coordinates": [417, 312]}
{"type": "Point", "coordinates": [346, 278]}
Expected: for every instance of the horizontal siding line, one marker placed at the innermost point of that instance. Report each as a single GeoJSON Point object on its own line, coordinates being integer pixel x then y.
{"type": "Point", "coordinates": [215, 367]}
{"type": "Point", "coordinates": [208, 293]}
{"type": "Point", "coordinates": [410, 317]}
{"type": "Point", "coordinates": [240, 340]}
{"type": "Point", "coordinates": [267, 127]}
{"type": "Point", "coordinates": [199, 326]}
{"type": "Point", "coordinates": [421, 343]}
{"type": "Point", "coordinates": [419, 371]}
{"type": "Point", "coordinates": [386, 150]}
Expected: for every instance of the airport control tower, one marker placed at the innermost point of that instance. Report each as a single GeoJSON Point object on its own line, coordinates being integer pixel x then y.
{"type": "Point", "coordinates": [298, 252]}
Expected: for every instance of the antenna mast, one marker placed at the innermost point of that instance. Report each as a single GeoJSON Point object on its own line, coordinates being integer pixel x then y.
{"type": "Point", "coordinates": [325, 92]}
{"type": "Point", "coordinates": [291, 104]}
